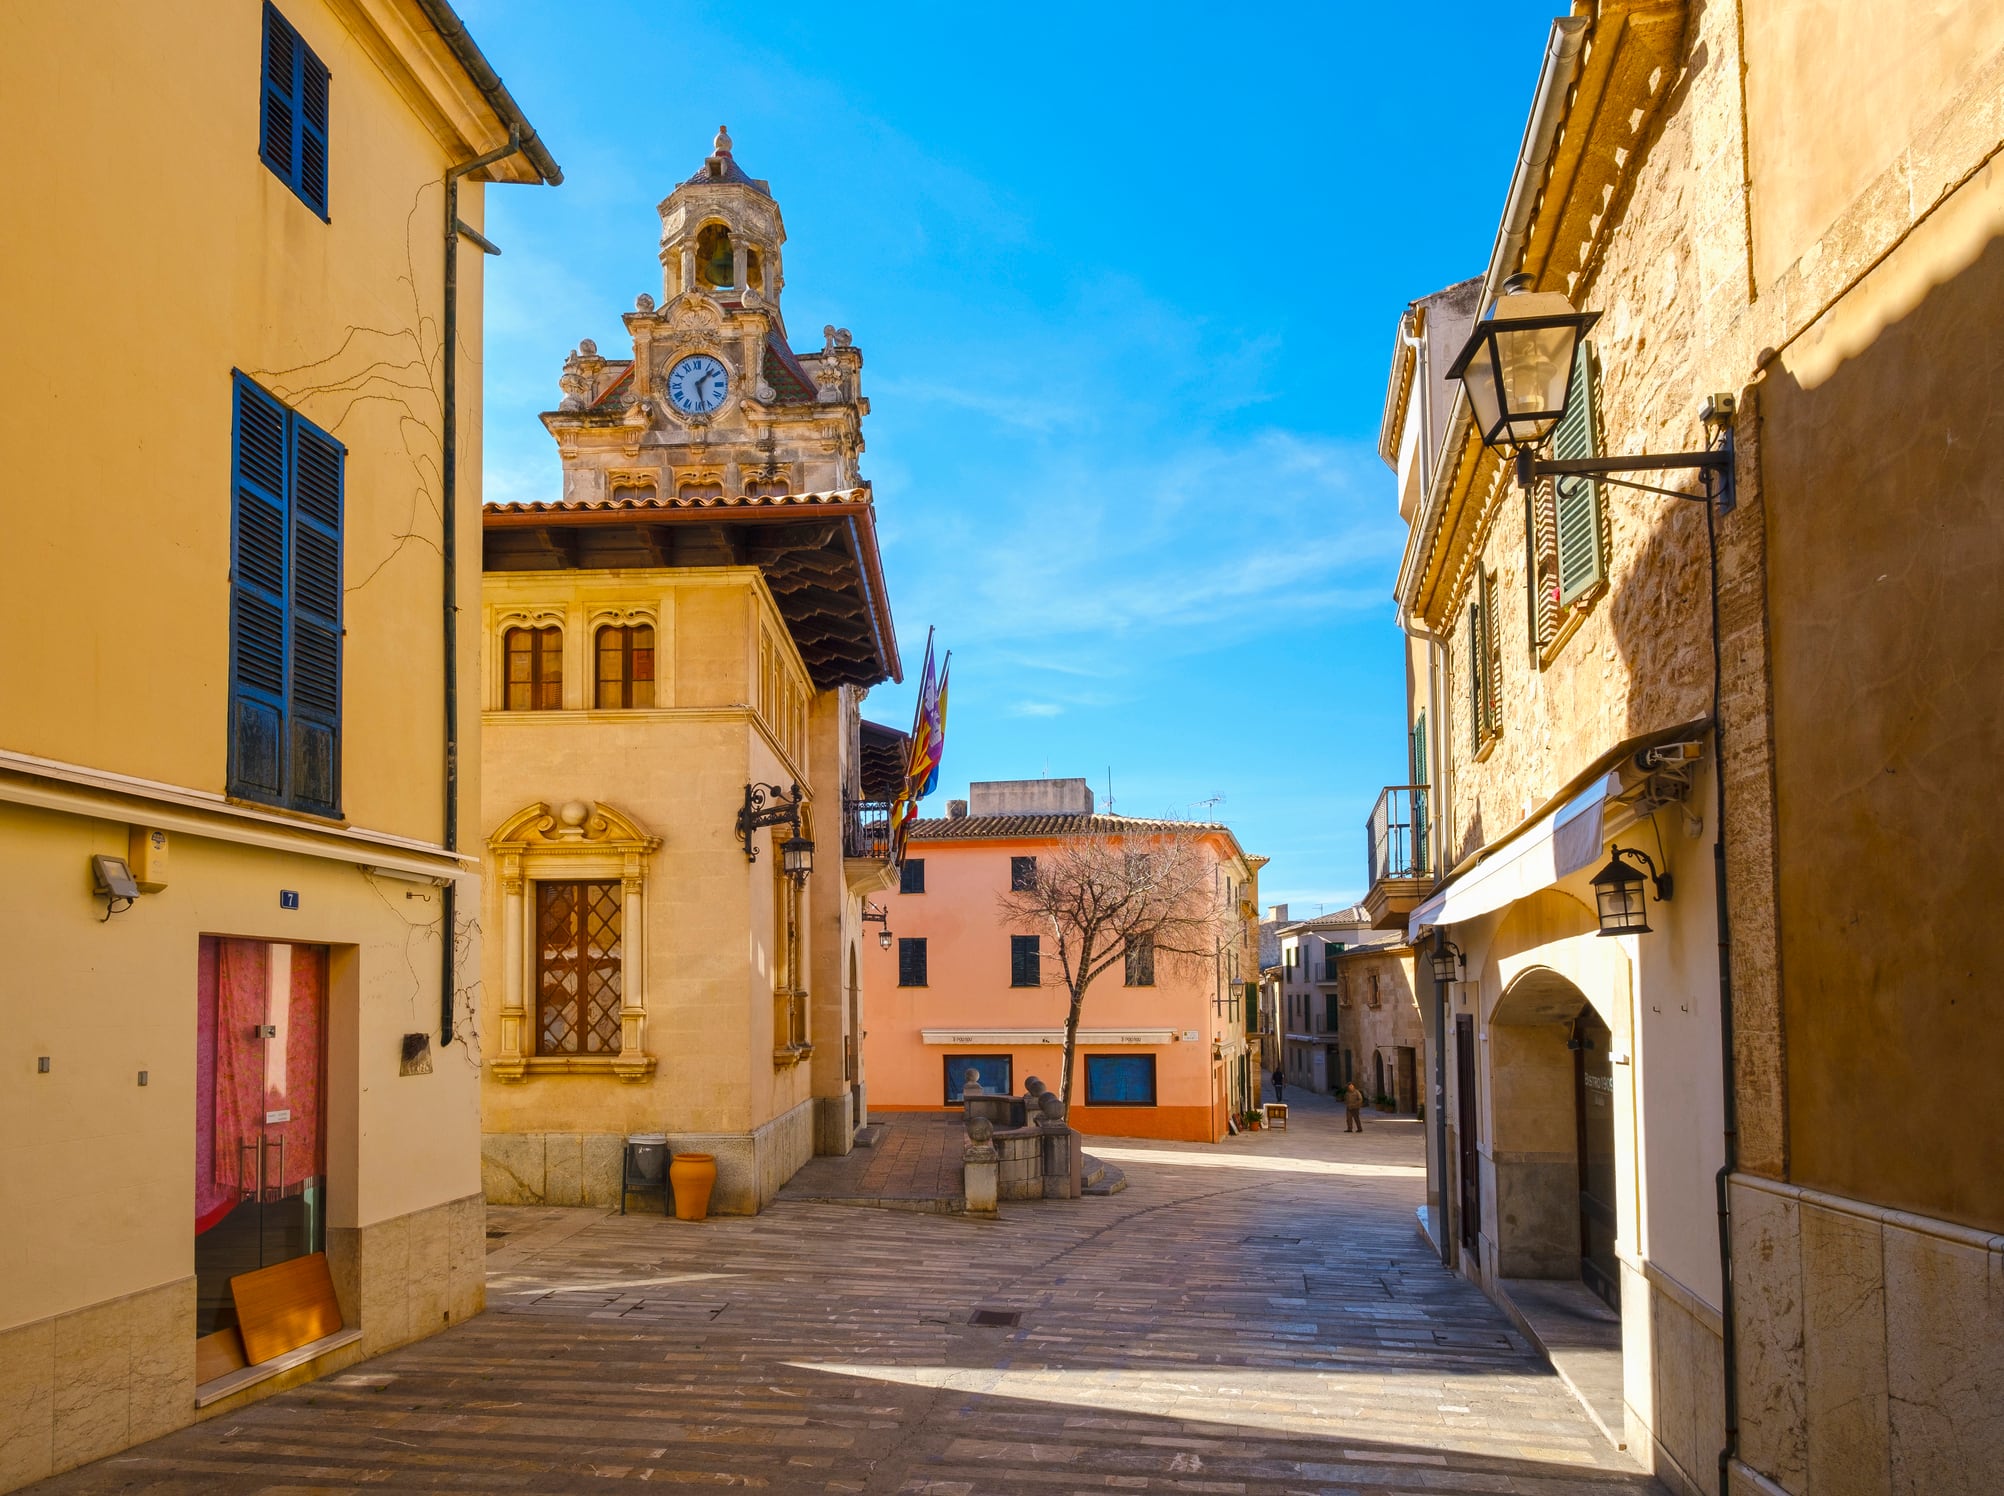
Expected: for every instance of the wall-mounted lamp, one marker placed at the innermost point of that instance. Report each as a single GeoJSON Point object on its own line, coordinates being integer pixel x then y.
{"type": "Point", "coordinates": [114, 883]}
{"type": "Point", "coordinates": [1517, 370]}
{"type": "Point", "coordinates": [872, 915]}
{"type": "Point", "coordinates": [769, 805]}
{"type": "Point", "coordinates": [1617, 889]}
{"type": "Point", "coordinates": [1449, 965]}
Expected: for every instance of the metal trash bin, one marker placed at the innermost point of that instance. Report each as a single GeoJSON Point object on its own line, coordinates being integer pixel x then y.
{"type": "Point", "coordinates": [644, 1170]}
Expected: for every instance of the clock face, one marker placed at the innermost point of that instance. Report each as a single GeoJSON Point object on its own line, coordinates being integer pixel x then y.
{"type": "Point", "coordinates": [697, 385]}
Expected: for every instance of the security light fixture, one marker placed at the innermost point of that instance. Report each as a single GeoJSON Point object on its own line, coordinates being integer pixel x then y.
{"type": "Point", "coordinates": [1618, 891]}
{"type": "Point", "coordinates": [114, 883]}
{"type": "Point", "coordinates": [769, 805]}
{"type": "Point", "coordinates": [1449, 965]}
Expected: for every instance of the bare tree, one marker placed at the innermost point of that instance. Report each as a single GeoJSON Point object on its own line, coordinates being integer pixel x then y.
{"type": "Point", "coordinates": [1148, 896]}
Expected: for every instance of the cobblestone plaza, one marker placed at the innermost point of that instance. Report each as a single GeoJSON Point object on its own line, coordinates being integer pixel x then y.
{"type": "Point", "coordinates": [1260, 1316]}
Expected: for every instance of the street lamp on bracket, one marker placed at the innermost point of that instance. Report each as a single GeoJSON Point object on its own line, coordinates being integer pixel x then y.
{"type": "Point", "coordinates": [769, 805]}
{"type": "Point", "coordinates": [872, 915]}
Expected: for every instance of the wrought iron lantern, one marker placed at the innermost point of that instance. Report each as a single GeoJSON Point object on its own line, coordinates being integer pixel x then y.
{"type": "Point", "coordinates": [769, 805]}
{"type": "Point", "coordinates": [1449, 965]}
{"type": "Point", "coordinates": [796, 856]}
{"type": "Point", "coordinates": [884, 939]}
{"type": "Point", "coordinates": [872, 915]}
{"type": "Point", "coordinates": [1517, 366]}
{"type": "Point", "coordinates": [1618, 891]}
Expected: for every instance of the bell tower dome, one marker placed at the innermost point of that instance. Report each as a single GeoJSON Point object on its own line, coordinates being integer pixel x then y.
{"type": "Point", "coordinates": [721, 234]}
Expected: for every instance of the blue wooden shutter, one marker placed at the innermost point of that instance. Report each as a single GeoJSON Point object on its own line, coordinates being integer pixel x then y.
{"type": "Point", "coordinates": [257, 596]}
{"type": "Point", "coordinates": [1577, 500]}
{"type": "Point", "coordinates": [315, 597]}
{"type": "Point", "coordinates": [278, 135]}
{"type": "Point", "coordinates": [292, 131]}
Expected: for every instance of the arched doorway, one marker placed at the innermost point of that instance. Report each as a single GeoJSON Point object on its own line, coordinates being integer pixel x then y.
{"type": "Point", "coordinates": [1552, 1088]}
{"type": "Point", "coordinates": [1377, 1075]}
{"type": "Point", "coordinates": [1593, 1106]}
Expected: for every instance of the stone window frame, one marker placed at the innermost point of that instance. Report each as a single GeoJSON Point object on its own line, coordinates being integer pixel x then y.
{"type": "Point", "coordinates": [525, 616]}
{"type": "Point", "coordinates": [621, 615]}
{"type": "Point", "coordinates": [577, 841]}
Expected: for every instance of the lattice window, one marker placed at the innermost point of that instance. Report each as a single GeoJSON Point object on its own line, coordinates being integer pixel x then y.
{"type": "Point", "coordinates": [578, 974]}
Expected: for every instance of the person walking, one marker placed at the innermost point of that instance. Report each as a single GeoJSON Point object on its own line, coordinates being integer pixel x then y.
{"type": "Point", "coordinates": [1353, 1108]}
{"type": "Point", "coordinates": [1279, 1084]}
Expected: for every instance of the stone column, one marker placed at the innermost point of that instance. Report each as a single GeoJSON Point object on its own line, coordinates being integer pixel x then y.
{"type": "Point", "coordinates": [979, 1169]}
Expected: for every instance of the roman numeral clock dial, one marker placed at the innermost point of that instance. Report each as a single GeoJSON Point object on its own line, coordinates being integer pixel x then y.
{"type": "Point", "coordinates": [697, 384]}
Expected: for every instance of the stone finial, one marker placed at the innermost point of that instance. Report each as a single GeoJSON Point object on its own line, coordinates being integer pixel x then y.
{"type": "Point", "coordinates": [721, 146]}
{"type": "Point", "coordinates": [970, 1082]}
{"type": "Point", "coordinates": [980, 1130]}
{"type": "Point", "coordinates": [643, 303]}
{"type": "Point", "coordinates": [587, 348]}
{"type": "Point", "coordinates": [1032, 1086]}
{"type": "Point", "coordinates": [1051, 1106]}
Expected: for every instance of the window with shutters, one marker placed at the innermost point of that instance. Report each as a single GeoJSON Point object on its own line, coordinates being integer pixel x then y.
{"type": "Point", "coordinates": [911, 961]}
{"type": "Point", "coordinates": [1576, 501]}
{"type": "Point", "coordinates": [1022, 873]}
{"type": "Point", "coordinates": [1141, 961]}
{"type": "Point", "coordinates": [578, 968]}
{"type": "Point", "coordinates": [292, 129]}
{"type": "Point", "coordinates": [285, 607]}
{"type": "Point", "coordinates": [535, 665]}
{"type": "Point", "coordinates": [1024, 965]}
{"type": "Point", "coordinates": [1485, 714]}
{"type": "Point", "coordinates": [911, 875]}
{"type": "Point", "coordinates": [625, 666]}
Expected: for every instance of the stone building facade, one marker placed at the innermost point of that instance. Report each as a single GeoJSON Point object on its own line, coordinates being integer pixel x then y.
{"type": "Point", "coordinates": [681, 638]}
{"type": "Point", "coordinates": [1795, 208]}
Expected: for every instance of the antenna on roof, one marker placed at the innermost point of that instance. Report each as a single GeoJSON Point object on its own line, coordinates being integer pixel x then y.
{"type": "Point", "coordinates": [1109, 789]}
{"type": "Point", "coordinates": [1210, 804]}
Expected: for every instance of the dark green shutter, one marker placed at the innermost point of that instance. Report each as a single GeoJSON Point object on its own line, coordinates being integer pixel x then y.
{"type": "Point", "coordinates": [1475, 660]}
{"type": "Point", "coordinates": [1577, 500]}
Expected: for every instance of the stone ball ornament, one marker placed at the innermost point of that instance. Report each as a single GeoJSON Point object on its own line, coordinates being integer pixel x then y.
{"type": "Point", "coordinates": [574, 812]}
{"type": "Point", "coordinates": [980, 1130]}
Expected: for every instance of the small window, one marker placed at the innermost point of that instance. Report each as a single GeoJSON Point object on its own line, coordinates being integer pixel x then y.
{"type": "Point", "coordinates": [1120, 1080]}
{"type": "Point", "coordinates": [535, 669]}
{"type": "Point", "coordinates": [292, 133]}
{"type": "Point", "coordinates": [995, 1072]}
{"type": "Point", "coordinates": [578, 968]}
{"type": "Point", "coordinates": [1141, 961]}
{"type": "Point", "coordinates": [911, 875]}
{"type": "Point", "coordinates": [625, 666]}
{"type": "Point", "coordinates": [1023, 961]}
{"type": "Point", "coordinates": [911, 961]}
{"type": "Point", "coordinates": [1022, 873]}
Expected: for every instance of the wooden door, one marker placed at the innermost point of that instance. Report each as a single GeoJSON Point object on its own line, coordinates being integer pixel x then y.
{"type": "Point", "coordinates": [1464, 1084]}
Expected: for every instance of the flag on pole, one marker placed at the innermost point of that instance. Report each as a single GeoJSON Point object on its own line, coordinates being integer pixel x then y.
{"type": "Point", "coordinates": [936, 728]}
{"type": "Point", "coordinates": [922, 767]}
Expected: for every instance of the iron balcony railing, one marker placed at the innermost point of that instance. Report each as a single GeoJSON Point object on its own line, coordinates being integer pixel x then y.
{"type": "Point", "coordinates": [1397, 833]}
{"type": "Point", "coordinates": [866, 829]}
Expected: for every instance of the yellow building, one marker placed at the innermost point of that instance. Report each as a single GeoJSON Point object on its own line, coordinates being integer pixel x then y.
{"type": "Point", "coordinates": [224, 804]}
{"type": "Point", "coordinates": [1778, 1170]}
{"type": "Point", "coordinates": [681, 642]}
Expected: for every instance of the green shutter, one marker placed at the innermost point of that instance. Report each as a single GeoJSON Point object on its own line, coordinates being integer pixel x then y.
{"type": "Point", "coordinates": [1577, 500]}
{"type": "Point", "coordinates": [1475, 677]}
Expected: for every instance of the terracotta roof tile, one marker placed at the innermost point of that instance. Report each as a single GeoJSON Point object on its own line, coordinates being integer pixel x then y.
{"type": "Point", "coordinates": [979, 828]}
{"type": "Point", "coordinates": [833, 498]}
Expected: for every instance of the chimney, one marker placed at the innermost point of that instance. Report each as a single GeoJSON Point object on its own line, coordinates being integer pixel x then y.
{"type": "Point", "coordinates": [1276, 912]}
{"type": "Point", "coordinates": [956, 810]}
{"type": "Point", "coordinates": [1031, 797]}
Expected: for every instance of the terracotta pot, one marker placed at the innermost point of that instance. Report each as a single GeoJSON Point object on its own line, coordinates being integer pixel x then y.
{"type": "Point", "coordinates": [692, 1176]}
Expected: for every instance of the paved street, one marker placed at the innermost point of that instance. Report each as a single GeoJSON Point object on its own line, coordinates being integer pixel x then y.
{"type": "Point", "coordinates": [1255, 1317]}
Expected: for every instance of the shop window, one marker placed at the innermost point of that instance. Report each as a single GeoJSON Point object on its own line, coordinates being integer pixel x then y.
{"type": "Point", "coordinates": [996, 1073]}
{"type": "Point", "coordinates": [1120, 1080]}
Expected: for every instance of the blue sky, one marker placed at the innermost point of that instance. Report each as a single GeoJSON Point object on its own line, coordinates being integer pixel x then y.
{"type": "Point", "coordinates": [1125, 279]}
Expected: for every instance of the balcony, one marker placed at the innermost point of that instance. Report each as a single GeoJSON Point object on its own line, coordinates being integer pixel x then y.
{"type": "Point", "coordinates": [866, 829]}
{"type": "Point", "coordinates": [1396, 838]}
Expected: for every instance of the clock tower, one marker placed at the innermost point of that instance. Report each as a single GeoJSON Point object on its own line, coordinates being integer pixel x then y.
{"type": "Point", "coordinates": [714, 402]}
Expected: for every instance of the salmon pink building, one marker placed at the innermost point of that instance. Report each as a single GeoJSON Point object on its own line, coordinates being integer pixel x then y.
{"type": "Point", "coordinates": [1162, 1045]}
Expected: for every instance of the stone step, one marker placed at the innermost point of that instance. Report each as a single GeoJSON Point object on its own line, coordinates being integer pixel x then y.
{"type": "Point", "coordinates": [1109, 1180]}
{"type": "Point", "coordinates": [867, 1136]}
{"type": "Point", "coordinates": [1094, 1169]}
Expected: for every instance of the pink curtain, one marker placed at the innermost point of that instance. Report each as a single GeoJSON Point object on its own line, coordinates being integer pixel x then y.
{"type": "Point", "coordinates": [243, 983]}
{"type": "Point", "coordinates": [293, 1079]}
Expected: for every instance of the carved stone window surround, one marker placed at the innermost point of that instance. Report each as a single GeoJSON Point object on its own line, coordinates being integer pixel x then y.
{"type": "Point", "coordinates": [578, 840]}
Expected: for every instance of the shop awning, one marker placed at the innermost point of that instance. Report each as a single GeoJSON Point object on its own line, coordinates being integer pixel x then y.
{"type": "Point", "coordinates": [1565, 838]}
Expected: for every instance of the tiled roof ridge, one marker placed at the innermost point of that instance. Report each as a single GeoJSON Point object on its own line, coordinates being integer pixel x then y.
{"type": "Point", "coordinates": [843, 496]}
{"type": "Point", "coordinates": [1045, 823]}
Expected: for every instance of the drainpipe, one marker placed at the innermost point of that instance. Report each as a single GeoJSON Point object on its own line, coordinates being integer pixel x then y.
{"type": "Point", "coordinates": [449, 542]}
